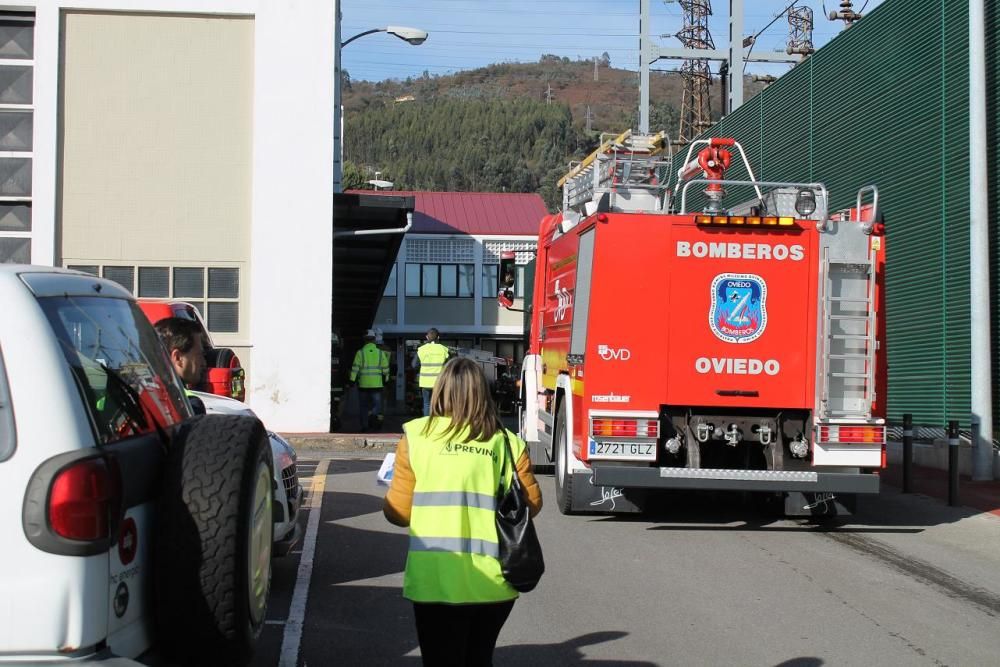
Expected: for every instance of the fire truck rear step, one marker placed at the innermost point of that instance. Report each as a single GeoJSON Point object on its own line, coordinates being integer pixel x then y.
{"type": "Point", "coordinates": [733, 480]}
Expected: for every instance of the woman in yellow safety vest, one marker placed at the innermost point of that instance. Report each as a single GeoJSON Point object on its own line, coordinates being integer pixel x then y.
{"type": "Point", "coordinates": [444, 487]}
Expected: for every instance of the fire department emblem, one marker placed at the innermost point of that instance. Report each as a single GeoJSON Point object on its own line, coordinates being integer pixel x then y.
{"type": "Point", "coordinates": [738, 313]}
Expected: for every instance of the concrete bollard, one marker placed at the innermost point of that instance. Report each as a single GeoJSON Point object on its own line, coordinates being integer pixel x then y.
{"type": "Point", "coordinates": [907, 453]}
{"type": "Point", "coordinates": [953, 463]}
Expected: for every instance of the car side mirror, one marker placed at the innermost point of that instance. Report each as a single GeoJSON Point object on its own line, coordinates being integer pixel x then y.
{"type": "Point", "coordinates": [506, 276]}
{"type": "Point", "coordinates": [197, 405]}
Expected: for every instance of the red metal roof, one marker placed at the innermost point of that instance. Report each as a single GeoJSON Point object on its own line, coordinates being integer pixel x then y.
{"type": "Point", "coordinates": [477, 213]}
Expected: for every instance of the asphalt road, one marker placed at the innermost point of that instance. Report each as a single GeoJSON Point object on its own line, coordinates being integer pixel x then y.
{"type": "Point", "coordinates": [701, 580]}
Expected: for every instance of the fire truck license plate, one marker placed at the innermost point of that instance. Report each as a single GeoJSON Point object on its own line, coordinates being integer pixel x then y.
{"type": "Point", "coordinates": [623, 450]}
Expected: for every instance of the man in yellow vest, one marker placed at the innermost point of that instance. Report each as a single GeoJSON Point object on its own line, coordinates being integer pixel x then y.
{"type": "Point", "coordinates": [430, 360]}
{"type": "Point", "coordinates": [371, 371]}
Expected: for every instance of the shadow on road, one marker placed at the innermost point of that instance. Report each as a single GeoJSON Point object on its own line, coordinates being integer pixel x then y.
{"type": "Point", "coordinates": [357, 615]}
{"type": "Point", "coordinates": [887, 513]}
{"type": "Point", "coordinates": [346, 505]}
{"type": "Point", "coordinates": [564, 653]}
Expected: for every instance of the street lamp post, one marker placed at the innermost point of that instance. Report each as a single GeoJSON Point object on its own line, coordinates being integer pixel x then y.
{"type": "Point", "coordinates": [413, 36]}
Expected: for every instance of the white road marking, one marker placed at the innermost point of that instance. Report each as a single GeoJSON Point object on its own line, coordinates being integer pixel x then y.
{"type": "Point", "coordinates": [274, 622]}
{"type": "Point", "coordinates": [292, 640]}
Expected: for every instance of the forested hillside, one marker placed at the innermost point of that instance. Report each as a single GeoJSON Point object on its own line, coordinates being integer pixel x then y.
{"type": "Point", "coordinates": [491, 145]}
{"type": "Point", "coordinates": [503, 128]}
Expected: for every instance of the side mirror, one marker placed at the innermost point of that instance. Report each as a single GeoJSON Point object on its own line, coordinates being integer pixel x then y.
{"type": "Point", "coordinates": [507, 273]}
{"type": "Point", "coordinates": [506, 276]}
{"type": "Point", "coordinates": [197, 405]}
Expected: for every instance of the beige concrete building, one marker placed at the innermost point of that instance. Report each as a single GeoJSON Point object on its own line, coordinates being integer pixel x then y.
{"type": "Point", "coordinates": [153, 143]}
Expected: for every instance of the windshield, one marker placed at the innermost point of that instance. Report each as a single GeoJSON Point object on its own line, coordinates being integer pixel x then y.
{"type": "Point", "coordinates": [123, 373]}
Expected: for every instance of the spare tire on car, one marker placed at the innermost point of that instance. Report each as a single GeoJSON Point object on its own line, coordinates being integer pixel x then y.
{"type": "Point", "coordinates": [213, 544]}
{"type": "Point", "coordinates": [221, 357]}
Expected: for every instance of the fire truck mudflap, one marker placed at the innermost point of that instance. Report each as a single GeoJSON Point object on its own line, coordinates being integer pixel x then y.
{"type": "Point", "coordinates": [729, 349]}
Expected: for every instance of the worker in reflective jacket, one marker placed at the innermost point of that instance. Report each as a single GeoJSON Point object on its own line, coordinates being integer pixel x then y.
{"type": "Point", "coordinates": [371, 371]}
{"type": "Point", "coordinates": [447, 471]}
{"type": "Point", "coordinates": [430, 360]}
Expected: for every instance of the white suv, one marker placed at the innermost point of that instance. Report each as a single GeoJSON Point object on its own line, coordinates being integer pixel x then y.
{"type": "Point", "coordinates": [131, 523]}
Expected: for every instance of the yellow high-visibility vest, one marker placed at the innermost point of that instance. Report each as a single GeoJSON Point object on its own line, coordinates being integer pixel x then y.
{"type": "Point", "coordinates": [369, 367]}
{"type": "Point", "coordinates": [432, 358]}
{"type": "Point", "coordinates": [453, 537]}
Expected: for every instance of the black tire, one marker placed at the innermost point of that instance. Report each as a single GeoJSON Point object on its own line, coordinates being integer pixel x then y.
{"type": "Point", "coordinates": [564, 478]}
{"type": "Point", "coordinates": [220, 357]}
{"type": "Point", "coordinates": [213, 542]}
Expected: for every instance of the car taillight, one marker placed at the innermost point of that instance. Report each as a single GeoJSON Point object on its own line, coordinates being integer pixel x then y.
{"type": "Point", "coordinates": [84, 501]}
{"type": "Point", "coordinates": [238, 390]}
{"type": "Point", "coordinates": [625, 428]}
{"type": "Point", "coordinates": [852, 434]}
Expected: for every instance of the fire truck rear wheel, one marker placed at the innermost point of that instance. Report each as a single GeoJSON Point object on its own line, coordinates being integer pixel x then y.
{"type": "Point", "coordinates": [564, 477]}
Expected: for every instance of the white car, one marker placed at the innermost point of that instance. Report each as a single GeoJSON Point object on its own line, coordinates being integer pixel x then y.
{"type": "Point", "coordinates": [132, 525]}
{"type": "Point", "coordinates": [287, 490]}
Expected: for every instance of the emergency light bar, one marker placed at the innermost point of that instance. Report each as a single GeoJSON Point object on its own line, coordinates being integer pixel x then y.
{"type": "Point", "coordinates": [851, 434]}
{"type": "Point", "coordinates": [624, 428]}
{"type": "Point", "coordinates": [748, 220]}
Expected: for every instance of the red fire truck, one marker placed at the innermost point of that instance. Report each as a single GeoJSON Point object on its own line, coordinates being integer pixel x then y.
{"type": "Point", "coordinates": [737, 347]}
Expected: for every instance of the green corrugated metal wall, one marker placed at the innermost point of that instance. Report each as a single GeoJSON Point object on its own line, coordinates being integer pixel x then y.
{"type": "Point", "coordinates": [886, 103]}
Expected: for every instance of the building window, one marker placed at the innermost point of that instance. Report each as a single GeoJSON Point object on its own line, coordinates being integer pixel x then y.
{"type": "Point", "coordinates": [223, 283]}
{"type": "Point", "coordinates": [15, 250]}
{"type": "Point", "coordinates": [490, 277]}
{"type": "Point", "coordinates": [123, 275]}
{"type": "Point", "coordinates": [91, 269]}
{"type": "Point", "coordinates": [17, 52]}
{"type": "Point", "coordinates": [449, 280]}
{"type": "Point", "coordinates": [412, 280]}
{"type": "Point", "coordinates": [154, 282]}
{"type": "Point", "coordinates": [219, 303]}
{"type": "Point", "coordinates": [189, 282]}
{"type": "Point", "coordinates": [441, 280]}
{"type": "Point", "coordinates": [223, 316]}
{"type": "Point", "coordinates": [390, 287]}
{"type": "Point", "coordinates": [214, 291]}
{"type": "Point", "coordinates": [452, 251]}
{"type": "Point", "coordinates": [429, 280]}
{"type": "Point", "coordinates": [466, 280]}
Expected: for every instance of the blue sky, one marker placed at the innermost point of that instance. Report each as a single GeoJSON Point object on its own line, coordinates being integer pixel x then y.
{"type": "Point", "coordinates": [467, 34]}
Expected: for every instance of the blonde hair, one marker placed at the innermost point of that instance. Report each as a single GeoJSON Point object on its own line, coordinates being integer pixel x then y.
{"type": "Point", "coordinates": [462, 393]}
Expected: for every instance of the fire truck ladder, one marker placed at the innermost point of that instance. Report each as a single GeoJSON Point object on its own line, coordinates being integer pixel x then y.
{"type": "Point", "coordinates": [848, 338]}
{"type": "Point", "coordinates": [626, 164]}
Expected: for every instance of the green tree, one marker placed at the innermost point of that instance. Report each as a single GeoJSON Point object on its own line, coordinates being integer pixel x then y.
{"type": "Point", "coordinates": [351, 176]}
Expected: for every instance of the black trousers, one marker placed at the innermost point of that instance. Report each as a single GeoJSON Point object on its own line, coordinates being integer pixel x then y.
{"type": "Point", "coordinates": [459, 635]}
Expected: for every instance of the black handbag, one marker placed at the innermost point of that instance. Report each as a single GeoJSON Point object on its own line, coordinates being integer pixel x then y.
{"type": "Point", "coordinates": [520, 553]}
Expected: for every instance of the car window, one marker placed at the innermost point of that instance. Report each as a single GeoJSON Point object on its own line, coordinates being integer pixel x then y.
{"type": "Point", "coordinates": [126, 380]}
{"type": "Point", "coordinates": [7, 433]}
